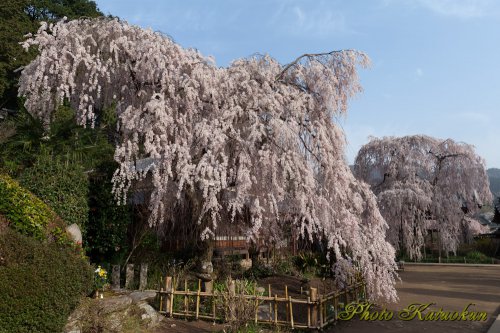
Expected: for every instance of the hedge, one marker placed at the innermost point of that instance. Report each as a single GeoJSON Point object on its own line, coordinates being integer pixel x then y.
{"type": "Point", "coordinates": [26, 213]}
{"type": "Point", "coordinates": [60, 184]}
{"type": "Point", "coordinates": [41, 283]}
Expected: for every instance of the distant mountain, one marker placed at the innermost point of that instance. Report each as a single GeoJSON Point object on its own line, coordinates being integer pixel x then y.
{"type": "Point", "coordinates": [494, 176]}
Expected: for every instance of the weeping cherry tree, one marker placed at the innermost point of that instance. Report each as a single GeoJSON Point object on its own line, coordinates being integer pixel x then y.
{"type": "Point", "coordinates": [423, 183]}
{"type": "Point", "coordinates": [253, 146]}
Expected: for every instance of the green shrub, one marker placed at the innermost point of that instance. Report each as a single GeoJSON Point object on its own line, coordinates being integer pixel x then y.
{"type": "Point", "coordinates": [476, 257]}
{"type": "Point", "coordinates": [40, 283]}
{"type": "Point", "coordinates": [488, 246]}
{"type": "Point", "coordinates": [258, 271]}
{"type": "Point", "coordinates": [312, 263]}
{"type": "Point", "coordinates": [285, 266]}
{"type": "Point", "coordinates": [26, 213]}
{"type": "Point", "coordinates": [61, 185]}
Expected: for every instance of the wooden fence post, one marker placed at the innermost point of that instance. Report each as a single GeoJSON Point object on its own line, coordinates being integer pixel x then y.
{"type": "Point", "coordinates": [232, 294]}
{"type": "Point", "coordinates": [186, 299]}
{"type": "Point", "coordinates": [308, 312]}
{"type": "Point", "coordinates": [161, 298]}
{"type": "Point", "coordinates": [172, 299]}
{"type": "Point", "coordinates": [275, 309]}
{"type": "Point", "coordinates": [287, 304]}
{"type": "Point", "coordinates": [336, 305]}
{"type": "Point", "coordinates": [214, 299]}
{"type": "Point", "coordinates": [198, 299]}
{"type": "Point", "coordinates": [313, 294]}
{"type": "Point", "coordinates": [256, 302]}
{"type": "Point", "coordinates": [270, 303]}
{"type": "Point", "coordinates": [168, 289]}
{"type": "Point", "coordinates": [319, 306]}
{"type": "Point", "coordinates": [321, 309]}
{"type": "Point", "coordinates": [232, 287]}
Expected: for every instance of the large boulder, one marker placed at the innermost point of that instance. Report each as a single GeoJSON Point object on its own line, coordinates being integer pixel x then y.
{"type": "Point", "coordinates": [149, 316]}
{"type": "Point", "coordinates": [114, 313]}
{"type": "Point", "coordinates": [143, 296]}
{"type": "Point", "coordinates": [114, 304]}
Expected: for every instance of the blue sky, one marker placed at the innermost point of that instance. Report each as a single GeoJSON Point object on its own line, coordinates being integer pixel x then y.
{"type": "Point", "coordinates": [435, 63]}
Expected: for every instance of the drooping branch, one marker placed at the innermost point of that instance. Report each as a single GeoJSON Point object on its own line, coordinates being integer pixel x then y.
{"type": "Point", "coordinates": [309, 56]}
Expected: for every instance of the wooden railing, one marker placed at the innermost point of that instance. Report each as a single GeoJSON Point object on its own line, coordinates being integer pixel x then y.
{"type": "Point", "coordinates": [313, 311]}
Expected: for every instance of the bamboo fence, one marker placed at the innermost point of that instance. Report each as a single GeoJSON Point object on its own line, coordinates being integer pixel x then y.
{"type": "Point", "coordinates": [313, 311]}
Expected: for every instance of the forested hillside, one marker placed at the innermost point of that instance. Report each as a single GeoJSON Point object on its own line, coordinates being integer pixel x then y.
{"type": "Point", "coordinates": [494, 176]}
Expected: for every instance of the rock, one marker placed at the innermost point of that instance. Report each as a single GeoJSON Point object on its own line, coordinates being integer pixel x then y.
{"type": "Point", "coordinates": [150, 316]}
{"type": "Point", "coordinates": [72, 327]}
{"type": "Point", "coordinates": [75, 233]}
{"type": "Point", "coordinates": [73, 330]}
{"type": "Point", "coordinates": [115, 320]}
{"type": "Point", "coordinates": [114, 304]}
{"type": "Point", "coordinates": [113, 312]}
{"type": "Point", "coordinates": [140, 296]}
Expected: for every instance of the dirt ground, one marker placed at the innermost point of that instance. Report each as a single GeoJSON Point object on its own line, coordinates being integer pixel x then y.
{"type": "Point", "coordinates": [450, 287]}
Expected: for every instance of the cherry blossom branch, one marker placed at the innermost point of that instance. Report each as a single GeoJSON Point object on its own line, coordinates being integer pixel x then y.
{"type": "Point", "coordinates": [279, 77]}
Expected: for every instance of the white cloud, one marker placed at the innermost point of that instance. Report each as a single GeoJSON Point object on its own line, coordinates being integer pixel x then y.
{"type": "Point", "coordinates": [316, 21]}
{"type": "Point", "coordinates": [301, 17]}
{"type": "Point", "coordinates": [319, 21]}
